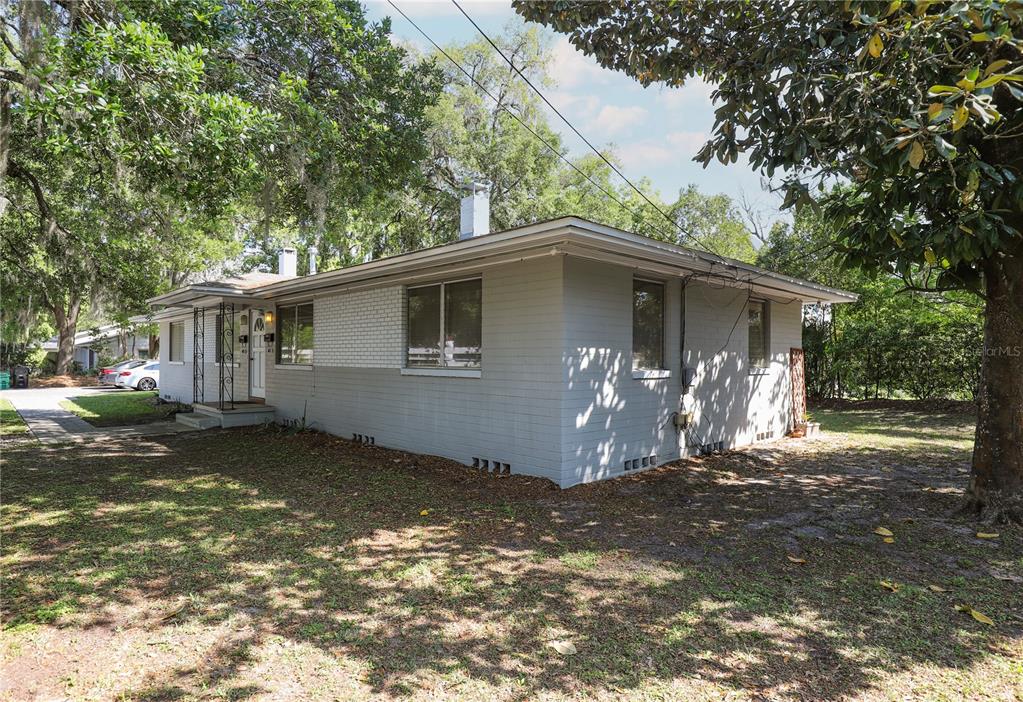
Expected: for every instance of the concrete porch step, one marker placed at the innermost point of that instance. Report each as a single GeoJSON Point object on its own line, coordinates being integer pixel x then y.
{"type": "Point", "coordinates": [244, 414]}
{"type": "Point", "coordinates": [197, 420]}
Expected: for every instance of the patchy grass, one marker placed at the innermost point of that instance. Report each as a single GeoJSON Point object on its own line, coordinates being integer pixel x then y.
{"type": "Point", "coordinates": [11, 423]}
{"type": "Point", "coordinates": [119, 408]}
{"type": "Point", "coordinates": [253, 564]}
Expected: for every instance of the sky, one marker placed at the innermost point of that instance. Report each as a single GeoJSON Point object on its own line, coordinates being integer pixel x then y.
{"type": "Point", "coordinates": [655, 131]}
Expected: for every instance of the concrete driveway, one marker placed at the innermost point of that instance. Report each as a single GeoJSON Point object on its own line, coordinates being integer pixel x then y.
{"type": "Point", "coordinates": [50, 423]}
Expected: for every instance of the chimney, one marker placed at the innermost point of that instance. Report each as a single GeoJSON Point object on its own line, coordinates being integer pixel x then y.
{"type": "Point", "coordinates": [475, 219]}
{"type": "Point", "coordinates": [287, 262]}
{"type": "Point", "coordinates": [312, 259]}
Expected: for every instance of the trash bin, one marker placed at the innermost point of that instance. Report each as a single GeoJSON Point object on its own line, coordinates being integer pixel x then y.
{"type": "Point", "coordinates": [20, 374]}
{"type": "Point", "coordinates": [5, 380]}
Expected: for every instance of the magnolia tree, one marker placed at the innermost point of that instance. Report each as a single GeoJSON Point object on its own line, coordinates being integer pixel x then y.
{"type": "Point", "coordinates": [917, 105]}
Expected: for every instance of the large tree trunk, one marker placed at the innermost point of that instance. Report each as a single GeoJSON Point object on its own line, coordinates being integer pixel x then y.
{"type": "Point", "coordinates": [996, 486]}
{"type": "Point", "coordinates": [66, 321]}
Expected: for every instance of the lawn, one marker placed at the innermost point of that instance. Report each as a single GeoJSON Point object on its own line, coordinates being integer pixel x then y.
{"type": "Point", "coordinates": [11, 423]}
{"type": "Point", "coordinates": [252, 564]}
{"type": "Point", "coordinates": [119, 408]}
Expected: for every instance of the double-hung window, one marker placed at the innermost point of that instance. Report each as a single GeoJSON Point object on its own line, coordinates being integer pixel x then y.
{"type": "Point", "coordinates": [757, 334]}
{"type": "Point", "coordinates": [177, 341]}
{"type": "Point", "coordinates": [445, 325]}
{"type": "Point", "coordinates": [295, 334]}
{"type": "Point", "coordinates": [647, 325]}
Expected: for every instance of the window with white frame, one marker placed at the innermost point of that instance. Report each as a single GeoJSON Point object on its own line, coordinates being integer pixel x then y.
{"type": "Point", "coordinates": [176, 343]}
{"type": "Point", "coordinates": [445, 325]}
{"type": "Point", "coordinates": [757, 334]}
{"type": "Point", "coordinates": [647, 325]}
{"type": "Point", "coordinates": [295, 334]}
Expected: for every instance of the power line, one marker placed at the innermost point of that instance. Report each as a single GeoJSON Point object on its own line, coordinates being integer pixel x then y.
{"type": "Point", "coordinates": [517, 118]}
{"type": "Point", "coordinates": [579, 134]}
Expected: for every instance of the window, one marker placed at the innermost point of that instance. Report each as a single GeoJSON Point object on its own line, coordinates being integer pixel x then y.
{"type": "Point", "coordinates": [445, 325]}
{"type": "Point", "coordinates": [295, 334]}
{"type": "Point", "coordinates": [177, 341]}
{"type": "Point", "coordinates": [647, 325]}
{"type": "Point", "coordinates": [757, 334]}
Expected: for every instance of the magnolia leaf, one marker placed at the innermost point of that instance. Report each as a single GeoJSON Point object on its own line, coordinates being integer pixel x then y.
{"type": "Point", "coordinates": [980, 37]}
{"type": "Point", "coordinates": [565, 648]}
{"type": "Point", "coordinates": [986, 535]}
{"type": "Point", "coordinates": [795, 559]}
{"type": "Point", "coordinates": [930, 257]}
{"type": "Point", "coordinates": [982, 618]}
{"type": "Point", "coordinates": [988, 82]}
{"type": "Point", "coordinates": [959, 118]}
{"type": "Point", "coordinates": [936, 588]}
{"type": "Point", "coordinates": [996, 66]}
{"type": "Point", "coordinates": [875, 46]}
{"type": "Point", "coordinates": [916, 155]}
{"type": "Point", "coordinates": [943, 90]}
{"type": "Point", "coordinates": [889, 539]}
{"type": "Point", "coordinates": [882, 531]}
{"type": "Point", "coordinates": [934, 109]}
{"type": "Point", "coordinates": [888, 585]}
{"type": "Point", "coordinates": [424, 513]}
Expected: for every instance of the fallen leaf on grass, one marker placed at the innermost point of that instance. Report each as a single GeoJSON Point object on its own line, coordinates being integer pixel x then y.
{"type": "Point", "coordinates": [889, 540]}
{"type": "Point", "coordinates": [982, 618]}
{"type": "Point", "coordinates": [881, 531]}
{"type": "Point", "coordinates": [174, 612]}
{"type": "Point", "coordinates": [986, 535]}
{"type": "Point", "coordinates": [936, 588]}
{"type": "Point", "coordinates": [565, 648]}
{"type": "Point", "coordinates": [424, 513]}
{"type": "Point", "coordinates": [888, 585]}
{"type": "Point", "coordinates": [795, 559]}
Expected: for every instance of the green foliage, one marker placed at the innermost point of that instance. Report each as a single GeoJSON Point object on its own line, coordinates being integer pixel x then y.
{"type": "Point", "coordinates": [137, 137]}
{"type": "Point", "coordinates": [890, 343]}
{"type": "Point", "coordinates": [470, 137]}
{"type": "Point", "coordinates": [916, 104]}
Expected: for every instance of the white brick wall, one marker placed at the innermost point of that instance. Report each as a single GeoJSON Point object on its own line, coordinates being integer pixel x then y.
{"type": "Point", "coordinates": [360, 329]}
{"type": "Point", "coordinates": [176, 379]}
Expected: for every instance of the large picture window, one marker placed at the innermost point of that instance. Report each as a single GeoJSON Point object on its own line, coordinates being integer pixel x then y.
{"type": "Point", "coordinates": [445, 325]}
{"type": "Point", "coordinates": [647, 325]}
{"type": "Point", "coordinates": [295, 334]}
{"type": "Point", "coordinates": [757, 334]}
{"type": "Point", "coordinates": [177, 341]}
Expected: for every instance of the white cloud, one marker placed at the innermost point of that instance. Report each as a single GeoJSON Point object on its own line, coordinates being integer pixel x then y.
{"type": "Point", "coordinates": [676, 148]}
{"type": "Point", "coordinates": [696, 92]}
{"type": "Point", "coordinates": [571, 68]}
{"type": "Point", "coordinates": [613, 119]}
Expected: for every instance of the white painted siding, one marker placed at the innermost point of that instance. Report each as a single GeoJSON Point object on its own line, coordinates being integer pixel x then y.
{"type": "Point", "coordinates": [176, 379]}
{"type": "Point", "coordinates": [510, 414]}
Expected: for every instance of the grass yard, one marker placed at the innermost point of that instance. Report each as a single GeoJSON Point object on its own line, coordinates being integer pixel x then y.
{"type": "Point", "coordinates": [11, 423]}
{"type": "Point", "coordinates": [119, 408]}
{"type": "Point", "coordinates": [256, 565]}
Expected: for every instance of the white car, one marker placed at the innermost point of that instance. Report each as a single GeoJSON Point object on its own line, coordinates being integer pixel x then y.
{"type": "Point", "coordinates": [144, 377]}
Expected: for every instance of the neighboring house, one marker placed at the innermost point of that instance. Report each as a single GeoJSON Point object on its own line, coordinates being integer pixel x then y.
{"type": "Point", "coordinates": [106, 341]}
{"type": "Point", "coordinates": [561, 349]}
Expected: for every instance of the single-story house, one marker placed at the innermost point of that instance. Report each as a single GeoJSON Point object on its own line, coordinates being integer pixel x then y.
{"type": "Point", "coordinates": [110, 340]}
{"type": "Point", "coordinates": [564, 349]}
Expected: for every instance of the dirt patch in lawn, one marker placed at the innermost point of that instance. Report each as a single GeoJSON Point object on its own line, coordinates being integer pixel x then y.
{"type": "Point", "coordinates": [262, 565]}
{"type": "Point", "coordinates": [63, 381]}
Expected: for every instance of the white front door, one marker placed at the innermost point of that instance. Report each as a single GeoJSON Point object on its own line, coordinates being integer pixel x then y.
{"type": "Point", "coordinates": [257, 354]}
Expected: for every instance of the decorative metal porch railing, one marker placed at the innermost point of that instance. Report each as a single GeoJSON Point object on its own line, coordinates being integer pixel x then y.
{"type": "Point", "coordinates": [198, 355]}
{"type": "Point", "coordinates": [225, 343]}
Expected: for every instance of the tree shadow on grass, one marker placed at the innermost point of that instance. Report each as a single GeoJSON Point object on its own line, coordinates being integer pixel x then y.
{"type": "Point", "coordinates": [273, 552]}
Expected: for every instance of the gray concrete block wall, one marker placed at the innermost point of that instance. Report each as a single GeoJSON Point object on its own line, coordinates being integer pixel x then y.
{"type": "Point", "coordinates": [511, 414]}
{"type": "Point", "coordinates": [608, 416]}
{"type": "Point", "coordinates": [733, 402]}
